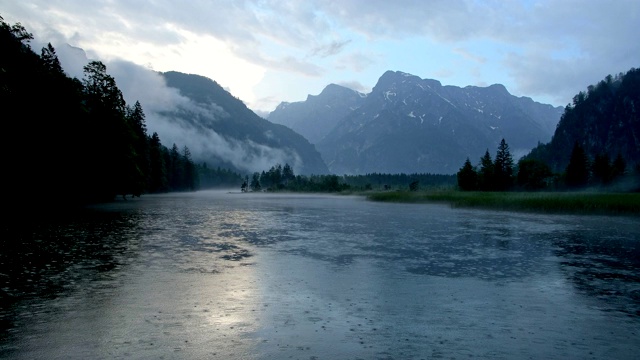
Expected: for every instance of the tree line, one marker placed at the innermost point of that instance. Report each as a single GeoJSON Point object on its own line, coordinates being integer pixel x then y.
{"type": "Point", "coordinates": [531, 174]}
{"type": "Point", "coordinates": [77, 141]}
{"type": "Point", "coordinates": [596, 145]}
{"type": "Point", "coordinates": [283, 178]}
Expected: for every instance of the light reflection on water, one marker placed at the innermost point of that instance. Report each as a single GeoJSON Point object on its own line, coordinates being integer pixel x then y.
{"type": "Point", "coordinates": [263, 276]}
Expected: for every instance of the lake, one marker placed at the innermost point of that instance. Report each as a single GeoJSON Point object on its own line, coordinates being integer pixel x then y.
{"type": "Point", "coordinates": [230, 275]}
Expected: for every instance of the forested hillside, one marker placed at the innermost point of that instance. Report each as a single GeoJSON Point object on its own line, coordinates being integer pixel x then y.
{"type": "Point", "coordinates": [603, 121]}
{"type": "Point", "coordinates": [596, 144]}
{"type": "Point", "coordinates": [74, 141]}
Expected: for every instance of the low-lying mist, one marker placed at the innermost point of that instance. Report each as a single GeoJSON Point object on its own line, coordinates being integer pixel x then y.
{"type": "Point", "coordinates": [161, 104]}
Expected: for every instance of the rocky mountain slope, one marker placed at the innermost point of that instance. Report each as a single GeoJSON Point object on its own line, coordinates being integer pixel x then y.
{"type": "Point", "coordinates": [226, 129]}
{"type": "Point", "coordinates": [408, 125]}
{"type": "Point", "coordinates": [318, 115]}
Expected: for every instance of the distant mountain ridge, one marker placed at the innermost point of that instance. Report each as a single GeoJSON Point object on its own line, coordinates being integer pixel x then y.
{"type": "Point", "coordinates": [231, 130]}
{"type": "Point", "coordinates": [408, 125]}
{"type": "Point", "coordinates": [318, 115]}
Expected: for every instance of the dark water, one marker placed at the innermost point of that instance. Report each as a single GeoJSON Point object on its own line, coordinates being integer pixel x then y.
{"type": "Point", "coordinates": [214, 275]}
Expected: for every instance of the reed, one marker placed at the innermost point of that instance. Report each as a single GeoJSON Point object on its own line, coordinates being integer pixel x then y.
{"type": "Point", "coordinates": [547, 202]}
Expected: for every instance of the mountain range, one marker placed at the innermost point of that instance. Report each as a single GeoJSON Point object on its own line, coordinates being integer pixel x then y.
{"type": "Point", "coordinates": [319, 114]}
{"type": "Point", "coordinates": [411, 125]}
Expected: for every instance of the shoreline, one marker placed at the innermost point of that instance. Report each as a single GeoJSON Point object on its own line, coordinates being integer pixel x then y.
{"type": "Point", "coordinates": [588, 203]}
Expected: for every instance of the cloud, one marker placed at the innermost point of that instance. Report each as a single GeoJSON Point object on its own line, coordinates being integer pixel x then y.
{"type": "Point", "coordinates": [266, 102]}
{"type": "Point", "coordinates": [560, 77]}
{"type": "Point", "coordinates": [330, 49]}
{"type": "Point", "coordinates": [600, 37]}
{"type": "Point", "coordinates": [568, 44]}
{"type": "Point", "coordinates": [357, 61]}
{"type": "Point", "coordinates": [443, 73]}
{"type": "Point", "coordinates": [158, 101]}
{"type": "Point", "coordinates": [355, 85]}
{"type": "Point", "coordinates": [161, 103]}
{"type": "Point", "coordinates": [205, 145]}
{"type": "Point", "coordinates": [286, 63]}
{"type": "Point", "coordinates": [446, 19]}
{"type": "Point", "coordinates": [469, 55]}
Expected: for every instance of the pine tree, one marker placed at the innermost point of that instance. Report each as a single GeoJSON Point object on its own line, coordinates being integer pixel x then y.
{"type": "Point", "coordinates": [577, 172]}
{"type": "Point", "coordinates": [255, 182]}
{"type": "Point", "coordinates": [287, 173]}
{"type": "Point", "coordinates": [50, 59]}
{"type": "Point", "coordinates": [485, 175]}
{"type": "Point", "coordinates": [503, 167]}
{"type": "Point", "coordinates": [158, 181]}
{"type": "Point", "coordinates": [141, 156]}
{"type": "Point", "coordinates": [467, 177]}
{"type": "Point", "coordinates": [175, 169]}
{"type": "Point", "coordinates": [109, 136]}
{"type": "Point", "coordinates": [189, 179]}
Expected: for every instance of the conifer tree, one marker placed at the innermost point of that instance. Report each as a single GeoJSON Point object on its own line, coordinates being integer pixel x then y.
{"type": "Point", "coordinates": [255, 182]}
{"type": "Point", "coordinates": [140, 148]}
{"type": "Point", "coordinates": [467, 177]}
{"type": "Point", "coordinates": [485, 175]}
{"type": "Point", "coordinates": [175, 169]}
{"type": "Point", "coordinates": [158, 181]}
{"type": "Point", "coordinates": [503, 167]}
{"type": "Point", "coordinates": [577, 172]}
{"type": "Point", "coordinates": [50, 59]}
{"type": "Point", "coordinates": [287, 173]}
{"type": "Point", "coordinates": [189, 179]}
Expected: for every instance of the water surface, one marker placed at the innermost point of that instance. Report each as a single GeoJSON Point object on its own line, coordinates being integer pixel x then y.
{"type": "Point", "coordinates": [263, 276]}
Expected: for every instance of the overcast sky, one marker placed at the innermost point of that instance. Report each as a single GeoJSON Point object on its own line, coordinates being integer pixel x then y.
{"type": "Point", "coordinates": [268, 51]}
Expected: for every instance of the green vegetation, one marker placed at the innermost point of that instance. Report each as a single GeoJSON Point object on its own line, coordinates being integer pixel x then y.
{"type": "Point", "coordinates": [546, 202]}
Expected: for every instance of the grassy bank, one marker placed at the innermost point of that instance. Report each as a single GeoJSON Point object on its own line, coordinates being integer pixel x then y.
{"type": "Point", "coordinates": [547, 202]}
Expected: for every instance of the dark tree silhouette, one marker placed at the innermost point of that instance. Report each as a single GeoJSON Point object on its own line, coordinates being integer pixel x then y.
{"type": "Point", "coordinates": [85, 144]}
{"type": "Point", "coordinates": [503, 167]}
{"type": "Point", "coordinates": [619, 167]}
{"type": "Point", "coordinates": [158, 181]}
{"type": "Point", "coordinates": [287, 173]}
{"type": "Point", "coordinates": [486, 173]}
{"type": "Point", "coordinates": [255, 182]}
{"type": "Point", "coordinates": [533, 174]}
{"type": "Point", "coordinates": [577, 172]}
{"type": "Point", "coordinates": [601, 169]}
{"type": "Point", "coordinates": [467, 177]}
